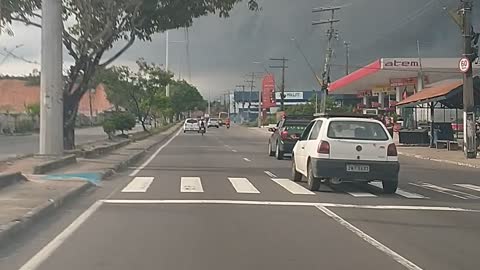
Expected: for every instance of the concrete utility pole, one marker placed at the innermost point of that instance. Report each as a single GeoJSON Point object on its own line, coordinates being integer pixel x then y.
{"type": "Point", "coordinates": [283, 67]}
{"type": "Point", "coordinates": [167, 47]}
{"type": "Point", "coordinates": [51, 87]}
{"type": "Point", "coordinates": [468, 95]}
{"type": "Point", "coordinates": [331, 34]}
{"type": "Point", "coordinates": [347, 57]}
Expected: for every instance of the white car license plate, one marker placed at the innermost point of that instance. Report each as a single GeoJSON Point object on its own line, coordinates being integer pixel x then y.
{"type": "Point", "coordinates": [358, 168]}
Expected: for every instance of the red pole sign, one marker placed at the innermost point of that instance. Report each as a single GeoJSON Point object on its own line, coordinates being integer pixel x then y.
{"type": "Point", "coordinates": [268, 92]}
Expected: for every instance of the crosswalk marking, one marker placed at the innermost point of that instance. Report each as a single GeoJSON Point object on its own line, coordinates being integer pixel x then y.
{"type": "Point", "coordinates": [242, 185]}
{"type": "Point", "coordinates": [269, 173]}
{"type": "Point", "coordinates": [292, 187]}
{"type": "Point", "coordinates": [468, 186]}
{"type": "Point", "coordinates": [447, 191]}
{"type": "Point", "coordinates": [362, 194]}
{"type": "Point", "coordinates": [191, 184]}
{"type": "Point", "coordinates": [138, 184]}
{"type": "Point", "coordinates": [401, 192]}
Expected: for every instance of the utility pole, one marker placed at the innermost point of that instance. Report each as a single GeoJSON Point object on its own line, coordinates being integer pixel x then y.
{"type": "Point", "coordinates": [167, 47]}
{"type": "Point", "coordinates": [331, 34]}
{"type": "Point", "coordinates": [283, 67]}
{"type": "Point", "coordinates": [347, 57]}
{"type": "Point", "coordinates": [470, 38]}
{"type": "Point", "coordinates": [51, 86]}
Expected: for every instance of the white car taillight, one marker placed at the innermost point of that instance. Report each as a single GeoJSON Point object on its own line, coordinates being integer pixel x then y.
{"type": "Point", "coordinates": [323, 148]}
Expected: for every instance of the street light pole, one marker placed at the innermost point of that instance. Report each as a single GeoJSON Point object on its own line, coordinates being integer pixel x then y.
{"type": "Point", "coordinates": [51, 86]}
{"type": "Point", "coordinates": [167, 46]}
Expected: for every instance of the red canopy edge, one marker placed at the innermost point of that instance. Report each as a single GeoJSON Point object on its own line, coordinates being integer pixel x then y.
{"type": "Point", "coordinates": [355, 76]}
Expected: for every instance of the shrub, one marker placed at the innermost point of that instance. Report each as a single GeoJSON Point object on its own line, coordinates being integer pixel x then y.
{"type": "Point", "coordinates": [118, 121]}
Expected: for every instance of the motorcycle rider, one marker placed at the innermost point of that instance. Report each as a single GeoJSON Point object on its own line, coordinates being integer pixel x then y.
{"type": "Point", "coordinates": [202, 125]}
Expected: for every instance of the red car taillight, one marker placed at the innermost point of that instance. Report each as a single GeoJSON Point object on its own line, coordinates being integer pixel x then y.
{"type": "Point", "coordinates": [284, 135]}
{"type": "Point", "coordinates": [392, 150]}
{"type": "Point", "coordinates": [323, 148]}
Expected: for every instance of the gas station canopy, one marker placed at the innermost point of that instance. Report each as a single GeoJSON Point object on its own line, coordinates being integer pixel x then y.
{"type": "Point", "coordinates": [396, 72]}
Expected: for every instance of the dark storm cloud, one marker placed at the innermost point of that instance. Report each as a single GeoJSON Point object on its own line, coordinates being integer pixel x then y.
{"type": "Point", "coordinates": [222, 50]}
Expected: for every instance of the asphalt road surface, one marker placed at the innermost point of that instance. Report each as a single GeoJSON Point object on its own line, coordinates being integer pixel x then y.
{"type": "Point", "coordinates": [219, 202]}
{"type": "Point", "coordinates": [11, 146]}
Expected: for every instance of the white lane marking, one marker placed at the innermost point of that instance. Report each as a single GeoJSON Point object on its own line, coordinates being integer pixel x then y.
{"type": "Point", "coordinates": [468, 186]}
{"type": "Point", "coordinates": [362, 194]}
{"type": "Point", "coordinates": [154, 155]}
{"type": "Point", "coordinates": [235, 151]}
{"type": "Point", "coordinates": [447, 191]}
{"type": "Point", "coordinates": [269, 173]}
{"type": "Point", "coordinates": [242, 185]}
{"type": "Point", "coordinates": [138, 184]}
{"type": "Point", "coordinates": [247, 160]}
{"type": "Point", "coordinates": [401, 192]}
{"type": "Point", "coordinates": [292, 187]}
{"type": "Point", "coordinates": [228, 146]}
{"type": "Point", "coordinates": [191, 184]}
{"type": "Point", "coordinates": [367, 238]}
{"type": "Point", "coordinates": [53, 245]}
{"type": "Point", "coordinates": [279, 203]}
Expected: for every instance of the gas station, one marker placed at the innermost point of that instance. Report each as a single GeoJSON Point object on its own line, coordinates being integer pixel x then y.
{"type": "Point", "coordinates": [413, 89]}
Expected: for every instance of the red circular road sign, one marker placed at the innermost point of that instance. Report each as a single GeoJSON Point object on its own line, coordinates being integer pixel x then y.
{"type": "Point", "coordinates": [464, 65]}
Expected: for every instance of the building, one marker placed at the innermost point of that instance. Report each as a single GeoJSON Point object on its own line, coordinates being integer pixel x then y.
{"type": "Point", "coordinates": [16, 95]}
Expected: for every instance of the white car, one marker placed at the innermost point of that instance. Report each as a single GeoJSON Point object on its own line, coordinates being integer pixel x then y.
{"type": "Point", "coordinates": [338, 149]}
{"type": "Point", "coordinates": [213, 122]}
{"type": "Point", "coordinates": [191, 125]}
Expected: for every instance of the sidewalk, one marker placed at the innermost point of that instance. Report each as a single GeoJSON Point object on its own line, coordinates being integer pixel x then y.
{"type": "Point", "coordinates": [32, 198]}
{"type": "Point", "coordinates": [439, 155]}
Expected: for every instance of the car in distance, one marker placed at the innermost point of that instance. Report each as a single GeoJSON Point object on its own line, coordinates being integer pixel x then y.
{"type": "Point", "coordinates": [285, 135]}
{"type": "Point", "coordinates": [191, 125]}
{"type": "Point", "coordinates": [346, 149]}
{"type": "Point", "coordinates": [213, 122]}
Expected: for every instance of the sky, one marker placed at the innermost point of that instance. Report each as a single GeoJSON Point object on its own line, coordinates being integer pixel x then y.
{"type": "Point", "coordinates": [223, 51]}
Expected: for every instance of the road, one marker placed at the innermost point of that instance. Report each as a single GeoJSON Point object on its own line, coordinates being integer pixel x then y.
{"type": "Point", "coordinates": [219, 202]}
{"type": "Point", "coordinates": [11, 146]}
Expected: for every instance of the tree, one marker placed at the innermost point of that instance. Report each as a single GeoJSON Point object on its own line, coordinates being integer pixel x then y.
{"type": "Point", "coordinates": [185, 98]}
{"type": "Point", "coordinates": [92, 27]}
{"type": "Point", "coordinates": [138, 92]}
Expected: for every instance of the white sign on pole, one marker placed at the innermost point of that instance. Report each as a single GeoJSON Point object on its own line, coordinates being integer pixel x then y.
{"type": "Point", "coordinates": [290, 95]}
{"type": "Point", "coordinates": [464, 65]}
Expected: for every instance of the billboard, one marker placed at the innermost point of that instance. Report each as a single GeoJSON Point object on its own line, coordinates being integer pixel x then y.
{"type": "Point", "coordinates": [291, 96]}
{"type": "Point", "coordinates": [268, 92]}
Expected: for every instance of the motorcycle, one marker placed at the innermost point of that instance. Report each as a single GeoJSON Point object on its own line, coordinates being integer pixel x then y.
{"type": "Point", "coordinates": [228, 125]}
{"type": "Point", "coordinates": [202, 130]}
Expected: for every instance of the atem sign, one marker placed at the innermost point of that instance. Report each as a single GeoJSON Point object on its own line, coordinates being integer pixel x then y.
{"type": "Point", "coordinates": [401, 63]}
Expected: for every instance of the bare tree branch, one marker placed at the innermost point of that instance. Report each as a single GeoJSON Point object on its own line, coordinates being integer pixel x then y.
{"type": "Point", "coordinates": [26, 21]}
{"type": "Point", "coordinates": [119, 53]}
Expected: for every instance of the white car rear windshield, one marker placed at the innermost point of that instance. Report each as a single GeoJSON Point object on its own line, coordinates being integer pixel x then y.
{"type": "Point", "coordinates": [357, 130]}
{"type": "Point", "coordinates": [192, 121]}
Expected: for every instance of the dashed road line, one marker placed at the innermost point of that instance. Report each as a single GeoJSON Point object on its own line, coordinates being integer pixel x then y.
{"type": "Point", "coordinates": [247, 160]}
{"type": "Point", "coordinates": [401, 192]}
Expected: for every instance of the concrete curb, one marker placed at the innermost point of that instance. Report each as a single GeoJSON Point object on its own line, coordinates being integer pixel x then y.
{"type": "Point", "coordinates": [19, 225]}
{"type": "Point", "coordinates": [441, 160]}
{"type": "Point", "coordinates": [7, 179]}
{"type": "Point", "coordinates": [54, 164]}
{"type": "Point", "coordinates": [104, 149]}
